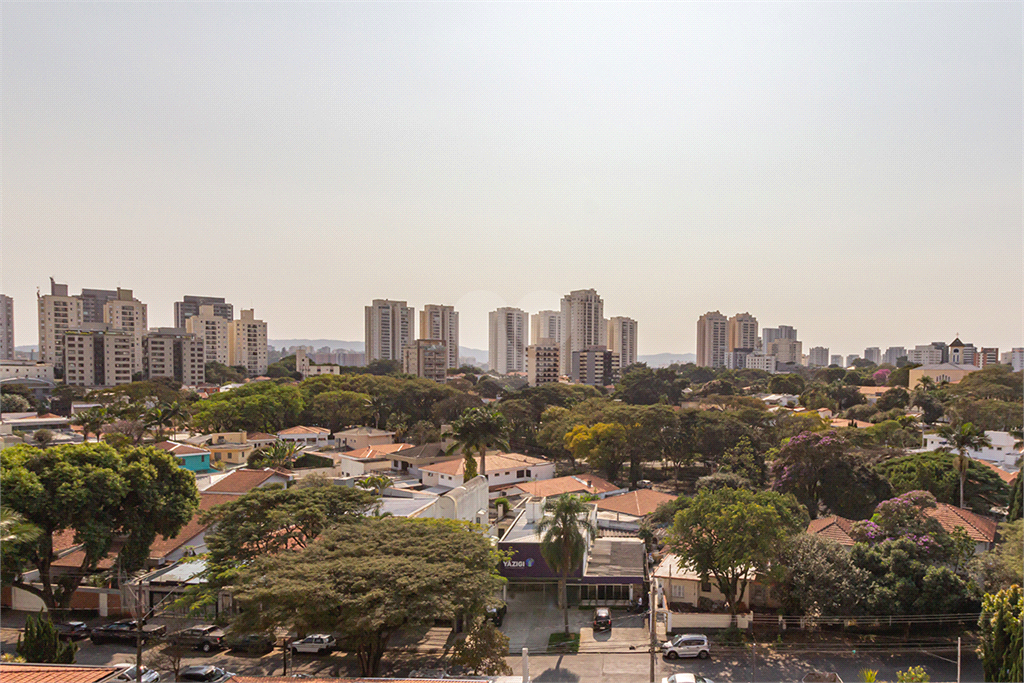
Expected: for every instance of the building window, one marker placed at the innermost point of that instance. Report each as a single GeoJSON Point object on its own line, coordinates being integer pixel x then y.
{"type": "Point", "coordinates": [520, 474]}
{"type": "Point", "coordinates": [678, 590]}
{"type": "Point", "coordinates": [705, 585]}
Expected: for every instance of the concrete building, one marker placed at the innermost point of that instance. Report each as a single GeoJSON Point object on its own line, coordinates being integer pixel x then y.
{"type": "Point", "coordinates": [93, 301]}
{"type": "Point", "coordinates": [758, 361]}
{"type": "Point", "coordinates": [175, 353]}
{"type": "Point", "coordinates": [987, 356]}
{"type": "Point", "coordinates": [306, 368]}
{"type": "Point", "coordinates": [1000, 451]}
{"type": "Point", "coordinates": [785, 350]}
{"type": "Point", "coordinates": [442, 322]}
{"type": "Point", "coordinates": [25, 369]}
{"type": "Point", "coordinates": [893, 354]}
{"type": "Point", "coordinates": [818, 357]}
{"type": "Point", "coordinates": [502, 468]}
{"type": "Point", "coordinates": [6, 327]}
{"type": "Point", "coordinates": [597, 366]}
{"type": "Point", "coordinates": [542, 366]}
{"type": "Point", "coordinates": [189, 306]}
{"type": "Point", "coordinates": [547, 325]}
{"type": "Point", "coordinates": [873, 354]}
{"type": "Point", "coordinates": [509, 328]}
{"type": "Point", "coordinates": [925, 354]}
{"type": "Point", "coordinates": [125, 312]}
{"type": "Point", "coordinates": [58, 312]}
{"type": "Point", "coordinates": [213, 330]}
{"type": "Point", "coordinates": [835, 359]}
{"type": "Point", "coordinates": [247, 343]}
{"type": "Point", "coordinates": [622, 339]}
{"type": "Point", "coordinates": [584, 324]}
{"type": "Point", "coordinates": [427, 358]}
{"type": "Point", "coordinates": [736, 360]}
{"type": "Point", "coordinates": [942, 372]}
{"type": "Point", "coordinates": [97, 355]}
{"type": "Point", "coordinates": [712, 339]}
{"type": "Point", "coordinates": [770, 334]}
{"type": "Point", "coordinates": [961, 353]}
{"type": "Point", "coordinates": [1014, 358]}
{"type": "Point", "coordinates": [389, 328]}
{"type": "Point", "coordinates": [742, 332]}
{"type": "Point", "coordinates": [850, 358]}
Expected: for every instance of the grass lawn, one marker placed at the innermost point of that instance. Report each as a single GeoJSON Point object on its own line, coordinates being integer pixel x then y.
{"type": "Point", "coordinates": [559, 642]}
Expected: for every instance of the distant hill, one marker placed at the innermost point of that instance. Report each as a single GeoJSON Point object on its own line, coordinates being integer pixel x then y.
{"type": "Point", "coordinates": [663, 360]}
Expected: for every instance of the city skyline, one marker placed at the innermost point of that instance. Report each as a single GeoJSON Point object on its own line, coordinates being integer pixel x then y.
{"type": "Point", "coordinates": [729, 156]}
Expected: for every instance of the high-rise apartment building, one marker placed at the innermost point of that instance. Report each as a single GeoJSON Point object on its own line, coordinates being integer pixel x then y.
{"type": "Point", "coordinates": [597, 366]}
{"type": "Point", "coordinates": [742, 332]}
{"type": "Point", "coordinates": [213, 330]}
{"type": "Point", "coordinates": [442, 322]}
{"type": "Point", "coordinates": [125, 312]}
{"type": "Point", "coordinates": [925, 354]}
{"type": "Point", "coordinates": [583, 324]}
{"type": "Point", "coordinates": [58, 312]}
{"type": "Point", "coordinates": [188, 307]}
{"type": "Point", "coordinates": [542, 366]}
{"type": "Point", "coordinates": [97, 355]}
{"type": "Point", "coordinates": [893, 354]}
{"type": "Point", "coordinates": [622, 339]}
{"type": "Point", "coordinates": [759, 361]}
{"type": "Point", "coordinates": [873, 354]}
{"type": "Point", "coordinates": [547, 325]}
{"type": "Point", "coordinates": [836, 359]}
{"type": "Point", "coordinates": [389, 328]}
{"type": "Point", "coordinates": [508, 331]}
{"type": "Point", "coordinates": [1014, 358]}
{"type": "Point", "coordinates": [175, 353]}
{"type": "Point", "coordinates": [6, 327]}
{"type": "Point", "coordinates": [93, 301]}
{"type": "Point", "coordinates": [850, 358]}
{"type": "Point", "coordinates": [712, 339]}
{"type": "Point", "coordinates": [988, 355]}
{"type": "Point", "coordinates": [818, 356]}
{"type": "Point", "coordinates": [770, 334]}
{"type": "Point", "coordinates": [247, 343]}
{"type": "Point", "coordinates": [427, 358]}
{"type": "Point", "coordinates": [785, 350]}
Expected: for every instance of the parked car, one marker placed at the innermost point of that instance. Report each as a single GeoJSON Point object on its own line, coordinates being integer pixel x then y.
{"type": "Point", "coordinates": [206, 638]}
{"type": "Point", "coordinates": [127, 673]}
{"type": "Point", "coordinates": [686, 678]}
{"type": "Point", "coordinates": [205, 674]}
{"type": "Point", "coordinates": [318, 643]}
{"type": "Point", "coordinates": [645, 484]}
{"type": "Point", "coordinates": [124, 632]}
{"type": "Point", "coordinates": [72, 630]}
{"type": "Point", "coordinates": [251, 643]}
{"type": "Point", "coordinates": [497, 614]}
{"type": "Point", "coordinates": [602, 619]}
{"type": "Point", "coordinates": [687, 645]}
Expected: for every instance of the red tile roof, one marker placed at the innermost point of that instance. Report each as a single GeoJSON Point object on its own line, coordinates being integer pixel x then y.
{"type": "Point", "coordinates": [581, 483]}
{"type": "Point", "coordinates": [980, 529]}
{"type": "Point", "coordinates": [260, 436]}
{"type": "Point", "coordinates": [162, 547]}
{"type": "Point", "coordinates": [242, 481]}
{"type": "Point", "coordinates": [74, 560]}
{"type": "Point", "coordinates": [54, 673]}
{"type": "Point", "coordinates": [495, 462]}
{"type": "Point", "coordinates": [302, 429]}
{"type": "Point", "coordinates": [834, 528]}
{"type": "Point", "coordinates": [175, 448]}
{"type": "Point", "coordinates": [639, 503]}
{"type": "Point", "coordinates": [1008, 477]}
{"type": "Point", "coordinates": [376, 451]}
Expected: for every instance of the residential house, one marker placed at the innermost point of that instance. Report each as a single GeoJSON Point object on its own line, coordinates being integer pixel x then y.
{"type": "Point", "coordinates": [410, 460]}
{"type": "Point", "coordinates": [686, 590]}
{"type": "Point", "coordinates": [369, 460]}
{"type": "Point", "coordinates": [981, 530]}
{"type": "Point", "coordinates": [362, 437]}
{"type": "Point", "coordinates": [305, 436]}
{"type": "Point", "coordinates": [625, 511]}
{"type": "Point", "coordinates": [191, 458]}
{"type": "Point", "coordinates": [1001, 452]}
{"type": "Point", "coordinates": [191, 540]}
{"type": "Point", "coordinates": [244, 480]}
{"type": "Point", "coordinates": [502, 468]}
{"type": "Point", "coordinates": [584, 484]}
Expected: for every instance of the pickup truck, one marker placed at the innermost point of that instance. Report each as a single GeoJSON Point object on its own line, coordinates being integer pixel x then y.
{"type": "Point", "coordinates": [124, 632]}
{"type": "Point", "coordinates": [206, 638]}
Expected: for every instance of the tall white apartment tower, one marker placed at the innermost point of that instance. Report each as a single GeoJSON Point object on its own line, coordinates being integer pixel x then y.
{"type": "Point", "coordinates": [622, 339]}
{"type": "Point", "coordinates": [390, 327]}
{"type": "Point", "coordinates": [584, 324]}
{"type": "Point", "coordinates": [548, 325]}
{"type": "Point", "coordinates": [742, 332]}
{"type": "Point", "coordinates": [442, 322]}
{"type": "Point", "coordinates": [58, 312]}
{"type": "Point", "coordinates": [712, 339]}
{"type": "Point", "coordinates": [213, 330]}
{"type": "Point", "coordinates": [6, 327]}
{"type": "Point", "coordinates": [818, 357]}
{"type": "Point", "coordinates": [509, 330]}
{"type": "Point", "coordinates": [127, 313]}
{"type": "Point", "coordinates": [247, 343]}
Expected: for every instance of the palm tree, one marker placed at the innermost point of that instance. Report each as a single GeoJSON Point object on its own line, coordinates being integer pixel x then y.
{"type": "Point", "coordinates": [379, 408]}
{"type": "Point", "coordinates": [163, 415]}
{"type": "Point", "coordinates": [91, 421]}
{"type": "Point", "coordinates": [14, 527]}
{"type": "Point", "coordinates": [963, 438]}
{"type": "Point", "coordinates": [477, 430]}
{"type": "Point", "coordinates": [562, 542]}
{"type": "Point", "coordinates": [277, 454]}
{"type": "Point", "coordinates": [377, 483]}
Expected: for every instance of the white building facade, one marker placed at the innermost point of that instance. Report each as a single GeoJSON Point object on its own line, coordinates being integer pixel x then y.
{"type": "Point", "coordinates": [584, 324]}
{"type": "Point", "coordinates": [508, 330]}
{"type": "Point", "coordinates": [389, 328]}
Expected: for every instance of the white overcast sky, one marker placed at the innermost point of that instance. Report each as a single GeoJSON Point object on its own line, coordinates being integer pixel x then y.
{"type": "Point", "coordinates": [852, 169]}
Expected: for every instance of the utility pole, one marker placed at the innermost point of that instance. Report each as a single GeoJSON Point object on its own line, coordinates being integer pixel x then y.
{"type": "Point", "coordinates": [653, 612]}
{"type": "Point", "coordinates": [958, 659]}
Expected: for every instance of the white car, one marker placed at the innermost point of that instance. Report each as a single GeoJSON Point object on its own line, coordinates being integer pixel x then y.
{"type": "Point", "coordinates": [127, 673]}
{"type": "Point", "coordinates": [686, 678]}
{"type": "Point", "coordinates": [687, 645]}
{"type": "Point", "coordinates": [318, 643]}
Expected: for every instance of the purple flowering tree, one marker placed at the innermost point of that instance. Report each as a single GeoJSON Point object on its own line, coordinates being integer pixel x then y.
{"type": "Point", "coordinates": [802, 463]}
{"type": "Point", "coordinates": [902, 517]}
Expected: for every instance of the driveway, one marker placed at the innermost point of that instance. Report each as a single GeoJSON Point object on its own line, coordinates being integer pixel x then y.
{"type": "Point", "coordinates": [533, 616]}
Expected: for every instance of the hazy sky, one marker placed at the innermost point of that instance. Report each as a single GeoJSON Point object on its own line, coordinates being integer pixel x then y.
{"type": "Point", "coordinates": [853, 169]}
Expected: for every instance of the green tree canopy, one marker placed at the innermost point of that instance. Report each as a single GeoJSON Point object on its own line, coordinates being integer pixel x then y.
{"type": "Point", "coordinates": [103, 496]}
{"type": "Point", "coordinates": [816, 575]}
{"type": "Point", "coordinates": [937, 474]}
{"type": "Point", "coordinates": [369, 579]}
{"type": "Point", "coordinates": [602, 446]}
{"type": "Point", "coordinates": [336, 410]}
{"type": "Point", "coordinates": [1002, 635]}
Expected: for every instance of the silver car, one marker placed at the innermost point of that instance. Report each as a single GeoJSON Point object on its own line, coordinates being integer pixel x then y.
{"type": "Point", "coordinates": [127, 673]}
{"type": "Point", "coordinates": [687, 645]}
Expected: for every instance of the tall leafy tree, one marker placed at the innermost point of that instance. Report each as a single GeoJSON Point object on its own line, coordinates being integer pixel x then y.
{"type": "Point", "coordinates": [814, 575]}
{"type": "Point", "coordinates": [563, 543]}
{"type": "Point", "coordinates": [962, 438]}
{"type": "Point", "coordinates": [733, 535]}
{"type": "Point", "coordinates": [602, 446]}
{"type": "Point", "coordinates": [41, 642]}
{"type": "Point", "coordinates": [99, 494]}
{"type": "Point", "coordinates": [369, 579]}
{"type": "Point", "coordinates": [1002, 635]}
{"type": "Point", "coordinates": [477, 430]}
{"type": "Point", "coordinates": [937, 474]}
